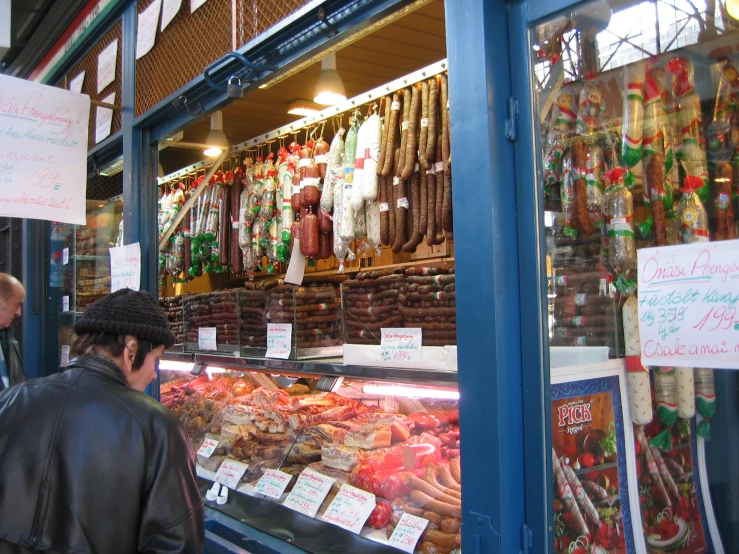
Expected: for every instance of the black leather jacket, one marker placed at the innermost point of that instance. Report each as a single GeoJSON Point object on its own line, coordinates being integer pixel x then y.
{"type": "Point", "coordinates": [89, 465]}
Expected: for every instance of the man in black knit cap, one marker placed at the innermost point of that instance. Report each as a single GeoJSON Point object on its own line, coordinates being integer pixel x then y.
{"type": "Point", "coordinates": [90, 463]}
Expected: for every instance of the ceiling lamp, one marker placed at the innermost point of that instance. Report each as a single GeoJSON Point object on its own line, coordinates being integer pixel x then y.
{"type": "Point", "coordinates": [732, 6]}
{"type": "Point", "coordinates": [303, 108]}
{"type": "Point", "coordinates": [329, 87]}
{"type": "Point", "coordinates": [216, 141]}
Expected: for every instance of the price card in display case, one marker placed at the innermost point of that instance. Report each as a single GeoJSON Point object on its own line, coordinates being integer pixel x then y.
{"type": "Point", "coordinates": [350, 509]}
{"type": "Point", "coordinates": [401, 344]}
{"type": "Point", "coordinates": [279, 340]}
{"type": "Point", "coordinates": [230, 473]}
{"type": "Point", "coordinates": [65, 256]}
{"type": "Point", "coordinates": [65, 303]}
{"type": "Point", "coordinates": [273, 483]}
{"type": "Point", "coordinates": [309, 492]}
{"type": "Point", "coordinates": [407, 532]}
{"type": "Point", "coordinates": [689, 305]}
{"type": "Point", "coordinates": [207, 338]}
{"type": "Point", "coordinates": [207, 448]}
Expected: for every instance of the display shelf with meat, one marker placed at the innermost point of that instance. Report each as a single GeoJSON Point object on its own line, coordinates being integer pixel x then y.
{"type": "Point", "coordinates": [314, 311]}
{"type": "Point", "coordinates": [583, 302]}
{"type": "Point", "coordinates": [404, 451]}
{"type": "Point", "coordinates": [214, 310]}
{"type": "Point", "coordinates": [172, 307]}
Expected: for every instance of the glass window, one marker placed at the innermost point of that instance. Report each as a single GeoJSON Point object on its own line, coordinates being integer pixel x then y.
{"type": "Point", "coordinates": [638, 147]}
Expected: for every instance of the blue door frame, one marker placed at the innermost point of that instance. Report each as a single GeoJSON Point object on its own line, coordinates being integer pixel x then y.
{"type": "Point", "coordinates": [504, 400]}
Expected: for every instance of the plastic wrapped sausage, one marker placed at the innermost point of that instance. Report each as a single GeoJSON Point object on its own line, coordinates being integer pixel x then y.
{"type": "Point", "coordinates": [357, 199]}
{"type": "Point", "coordinates": [653, 161]}
{"type": "Point", "coordinates": [639, 389]}
{"type": "Point", "coordinates": [334, 170]}
{"type": "Point", "coordinates": [705, 399]}
{"type": "Point", "coordinates": [371, 155]}
{"type": "Point", "coordinates": [633, 115]}
{"type": "Point", "coordinates": [685, 392]}
{"type": "Point", "coordinates": [665, 395]}
{"type": "Point", "coordinates": [309, 236]}
{"type": "Point", "coordinates": [620, 225]}
{"type": "Point", "coordinates": [691, 213]}
{"type": "Point", "coordinates": [692, 150]}
{"type": "Point", "coordinates": [346, 221]}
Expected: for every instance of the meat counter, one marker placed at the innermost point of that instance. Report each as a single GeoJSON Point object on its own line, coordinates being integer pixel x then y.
{"type": "Point", "coordinates": [322, 461]}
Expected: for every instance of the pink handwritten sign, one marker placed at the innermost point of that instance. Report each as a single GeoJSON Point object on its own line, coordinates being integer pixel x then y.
{"type": "Point", "coordinates": [230, 473]}
{"type": "Point", "coordinates": [407, 532]}
{"type": "Point", "coordinates": [401, 344]}
{"type": "Point", "coordinates": [350, 508]}
{"type": "Point", "coordinates": [279, 340]}
{"type": "Point", "coordinates": [689, 305]}
{"type": "Point", "coordinates": [43, 151]}
{"type": "Point", "coordinates": [309, 492]}
{"type": "Point", "coordinates": [125, 267]}
{"type": "Point", "coordinates": [273, 483]}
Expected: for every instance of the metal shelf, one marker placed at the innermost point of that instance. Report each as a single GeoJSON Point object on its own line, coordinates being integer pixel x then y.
{"type": "Point", "coordinates": [333, 367]}
{"type": "Point", "coordinates": [85, 258]}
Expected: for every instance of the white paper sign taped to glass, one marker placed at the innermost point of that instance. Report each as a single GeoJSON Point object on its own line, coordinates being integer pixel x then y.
{"type": "Point", "coordinates": [125, 267]}
{"type": "Point", "coordinates": [43, 151]}
{"type": "Point", "coordinates": [689, 305]}
{"type": "Point", "coordinates": [147, 29]}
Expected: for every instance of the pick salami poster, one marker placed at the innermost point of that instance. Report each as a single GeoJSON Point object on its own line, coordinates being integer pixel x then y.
{"type": "Point", "coordinates": [673, 505]}
{"type": "Point", "coordinates": [592, 486]}
{"type": "Point", "coordinates": [43, 151]}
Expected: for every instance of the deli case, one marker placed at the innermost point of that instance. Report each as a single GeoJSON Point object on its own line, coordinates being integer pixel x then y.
{"type": "Point", "coordinates": [311, 454]}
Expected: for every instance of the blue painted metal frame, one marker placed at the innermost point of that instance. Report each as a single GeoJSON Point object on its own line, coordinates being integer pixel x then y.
{"type": "Point", "coordinates": [532, 267]}
{"type": "Point", "coordinates": [486, 254]}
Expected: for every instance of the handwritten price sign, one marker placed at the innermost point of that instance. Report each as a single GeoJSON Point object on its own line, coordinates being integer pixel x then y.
{"type": "Point", "coordinates": [401, 344]}
{"type": "Point", "coordinates": [273, 483]}
{"type": "Point", "coordinates": [407, 532]}
{"type": "Point", "coordinates": [279, 340]}
{"type": "Point", "coordinates": [689, 305]}
{"type": "Point", "coordinates": [230, 473]}
{"type": "Point", "coordinates": [43, 151]}
{"type": "Point", "coordinates": [350, 509]}
{"type": "Point", "coordinates": [208, 447]}
{"type": "Point", "coordinates": [309, 492]}
{"type": "Point", "coordinates": [125, 267]}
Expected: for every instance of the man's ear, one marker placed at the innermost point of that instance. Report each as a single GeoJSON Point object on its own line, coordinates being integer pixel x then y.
{"type": "Point", "coordinates": [129, 354]}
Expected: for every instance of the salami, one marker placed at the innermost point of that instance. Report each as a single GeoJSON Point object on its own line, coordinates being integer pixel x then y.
{"type": "Point", "coordinates": [392, 131]}
{"type": "Point", "coordinates": [705, 399]}
{"type": "Point", "coordinates": [412, 136]}
{"type": "Point", "coordinates": [372, 212]}
{"type": "Point", "coordinates": [371, 158]}
{"type": "Point", "coordinates": [236, 189]}
{"type": "Point", "coordinates": [639, 391]}
{"type": "Point", "coordinates": [357, 200]}
{"type": "Point", "coordinates": [404, 126]}
{"type": "Point", "coordinates": [321, 149]}
{"type": "Point", "coordinates": [384, 208]}
{"type": "Point", "coordinates": [446, 209]}
{"type": "Point", "coordinates": [432, 133]}
{"type": "Point", "coordinates": [424, 123]}
{"type": "Point", "coordinates": [309, 236]}
{"type": "Point", "coordinates": [415, 238]}
{"type": "Point", "coordinates": [387, 103]}
{"type": "Point", "coordinates": [346, 224]}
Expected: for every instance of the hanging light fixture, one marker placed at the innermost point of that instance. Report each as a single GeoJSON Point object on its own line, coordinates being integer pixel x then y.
{"type": "Point", "coordinates": [216, 141]}
{"type": "Point", "coordinates": [732, 6]}
{"type": "Point", "coordinates": [329, 87]}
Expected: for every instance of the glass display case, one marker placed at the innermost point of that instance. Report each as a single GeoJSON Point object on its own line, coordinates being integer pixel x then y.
{"type": "Point", "coordinates": [636, 108]}
{"type": "Point", "coordinates": [80, 264]}
{"type": "Point", "coordinates": [296, 440]}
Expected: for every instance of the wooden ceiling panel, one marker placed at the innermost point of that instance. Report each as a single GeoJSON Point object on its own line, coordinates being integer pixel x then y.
{"type": "Point", "coordinates": [408, 44]}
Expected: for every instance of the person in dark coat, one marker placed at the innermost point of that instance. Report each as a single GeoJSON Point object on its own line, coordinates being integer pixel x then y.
{"type": "Point", "coordinates": [91, 464]}
{"type": "Point", "coordinates": [12, 295]}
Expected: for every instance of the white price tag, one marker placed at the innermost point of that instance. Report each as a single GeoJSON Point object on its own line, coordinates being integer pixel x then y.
{"type": "Point", "coordinates": [107, 61]}
{"type": "Point", "coordinates": [65, 303]}
{"type": "Point", "coordinates": [407, 532]}
{"type": "Point", "coordinates": [65, 256]}
{"type": "Point", "coordinates": [207, 448]}
{"type": "Point", "coordinates": [64, 361]}
{"type": "Point", "coordinates": [350, 509]}
{"type": "Point", "coordinates": [207, 338]}
{"type": "Point", "coordinates": [279, 340]}
{"type": "Point", "coordinates": [230, 473]}
{"type": "Point", "coordinates": [273, 483]}
{"type": "Point", "coordinates": [75, 85]}
{"type": "Point", "coordinates": [309, 492]}
{"type": "Point", "coordinates": [401, 344]}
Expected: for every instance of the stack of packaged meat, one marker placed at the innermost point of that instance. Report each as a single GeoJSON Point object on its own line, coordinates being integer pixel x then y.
{"type": "Point", "coordinates": [370, 303]}
{"type": "Point", "coordinates": [427, 300]}
{"type": "Point", "coordinates": [584, 310]}
{"type": "Point", "coordinates": [172, 307]}
{"type": "Point", "coordinates": [313, 310]}
{"type": "Point", "coordinates": [215, 309]}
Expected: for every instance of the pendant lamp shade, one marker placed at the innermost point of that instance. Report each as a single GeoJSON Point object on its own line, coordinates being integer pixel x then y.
{"type": "Point", "coordinates": [732, 6]}
{"type": "Point", "coordinates": [329, 87]}
{"type": "Point", "coordinates": [216, 141]}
